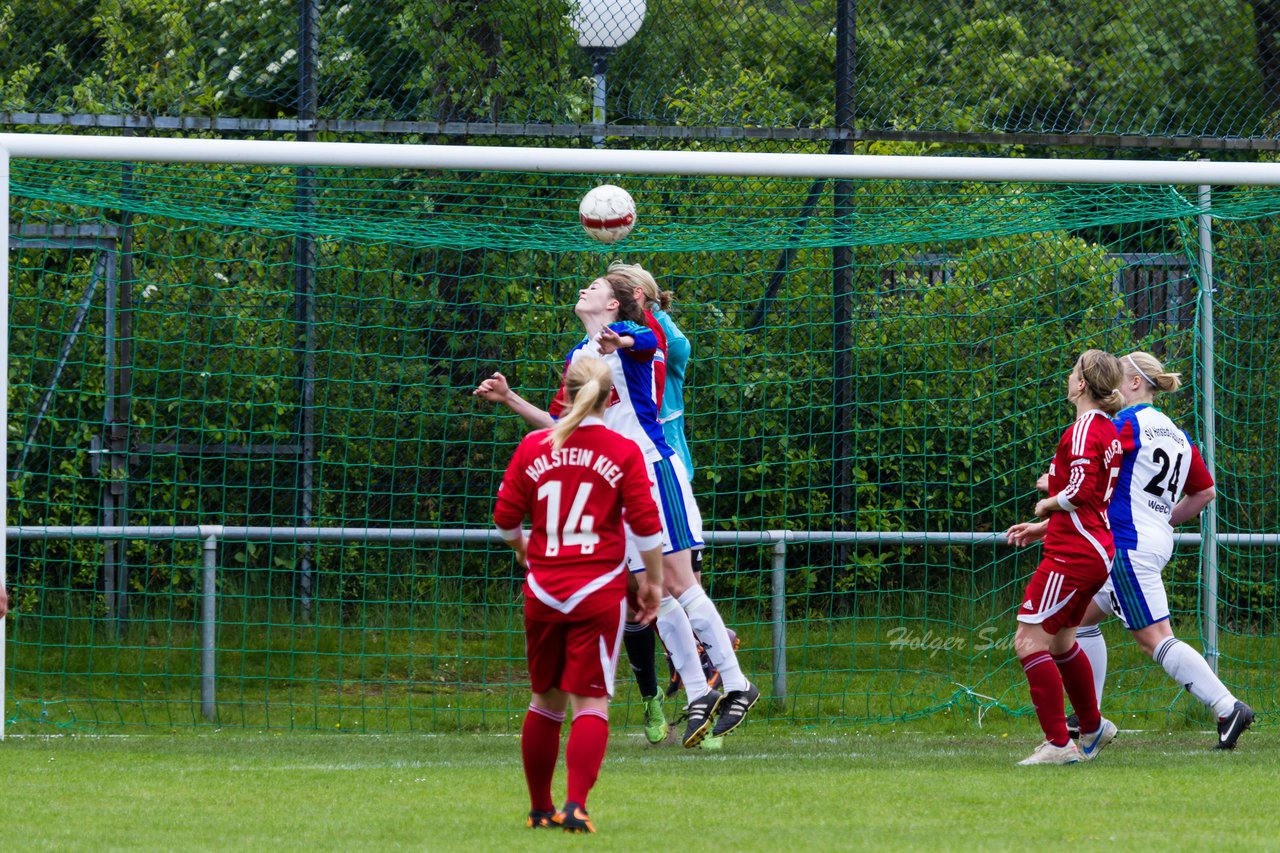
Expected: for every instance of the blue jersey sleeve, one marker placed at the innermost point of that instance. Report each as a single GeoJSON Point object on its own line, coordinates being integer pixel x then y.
{"type": "Point", "coordinates": [645, 340]}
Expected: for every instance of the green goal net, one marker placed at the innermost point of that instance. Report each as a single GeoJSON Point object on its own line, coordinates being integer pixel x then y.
{"type": "Point", "coordinates": [249, 485]}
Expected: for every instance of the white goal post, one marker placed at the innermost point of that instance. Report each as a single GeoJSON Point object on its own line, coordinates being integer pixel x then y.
{"type": "Point", "coordinates": [603, 161]}
{"type": "Point", "coordinates": [1198, 173]}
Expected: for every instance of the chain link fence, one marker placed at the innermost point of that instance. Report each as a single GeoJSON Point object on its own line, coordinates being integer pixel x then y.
{"type": "Point", "coordinates": [1143, 73]}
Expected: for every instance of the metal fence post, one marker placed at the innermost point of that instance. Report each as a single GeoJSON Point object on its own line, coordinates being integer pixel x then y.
{"type": "Point", "coordinates": [4, 400]}
{"type": "Point", "coordinates": [1209, 547]}
{"type": "Point", "coordinates": [208, 626]}
{"type": "Point", "coordinates": [304, 293]}
{"type": "Point", "coordinates": [780, 616]}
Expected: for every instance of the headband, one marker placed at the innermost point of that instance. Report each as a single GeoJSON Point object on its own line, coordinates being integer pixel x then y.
{"type": "Point", "coordinates": [1150, 381]}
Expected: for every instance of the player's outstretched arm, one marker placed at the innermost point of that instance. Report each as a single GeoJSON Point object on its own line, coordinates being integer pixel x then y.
{"type": "Point", "coordinates": [610, 341]}
{"type": "Point", "coordinates": [640, 340]}
{"type": "Point", "coordinates": [1190, 505]}
{"type": "Point", "coordinates": [496, 390]}
{"type": "Point", "coordinates": [1026, 533]}
{"type": "Point", "coordinates": [4, 601]}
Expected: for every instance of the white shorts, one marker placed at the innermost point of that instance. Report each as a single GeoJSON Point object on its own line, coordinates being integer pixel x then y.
{"type": "Point", "coordinates": [1134, 591]}
{"type": "Point", "coordinates": [681, 519]}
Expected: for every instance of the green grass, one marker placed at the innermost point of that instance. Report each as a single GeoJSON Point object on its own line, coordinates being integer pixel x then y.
{"type": "Point", "coordinates": [467, 674]}
{"type": "Point", "coordinates": [773, 787]}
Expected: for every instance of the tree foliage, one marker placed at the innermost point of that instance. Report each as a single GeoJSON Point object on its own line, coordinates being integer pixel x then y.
{"type": "Point", "coordinates": [1199, 67]}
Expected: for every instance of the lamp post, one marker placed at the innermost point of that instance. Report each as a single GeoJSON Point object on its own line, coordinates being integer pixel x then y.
{"type": "Point", "coordinates": [603, 26]}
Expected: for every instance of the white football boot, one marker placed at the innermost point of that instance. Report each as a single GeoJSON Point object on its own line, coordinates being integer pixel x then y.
{"type": "Point", "coordinates": [1047, 753]}
{"type": "Point", "coordinates": [1091, 743]}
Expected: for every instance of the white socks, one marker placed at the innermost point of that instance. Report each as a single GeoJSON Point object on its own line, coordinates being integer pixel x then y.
{"type": "Point", "coordinates": [1184, 664]}
{"type": "Point", "coordinates": [1091, 642]}
{"type": "Point", "coordinates": [677, 636]}
{"type": "Point", "coordinates": [1187, 667]}
{"type": "Point", "coordinates": [710, 629]}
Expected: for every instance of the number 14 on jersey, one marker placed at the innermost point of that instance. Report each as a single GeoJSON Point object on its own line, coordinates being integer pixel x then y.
{"type": "Point", "coordinates": [576, 529]}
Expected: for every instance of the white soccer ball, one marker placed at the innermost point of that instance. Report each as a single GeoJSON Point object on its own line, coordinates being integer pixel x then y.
{"type": "Point", "coordinates": [608, 213]}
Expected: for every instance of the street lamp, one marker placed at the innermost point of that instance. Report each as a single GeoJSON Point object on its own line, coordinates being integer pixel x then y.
{"type": "Point", "coordinates": [603, 26]}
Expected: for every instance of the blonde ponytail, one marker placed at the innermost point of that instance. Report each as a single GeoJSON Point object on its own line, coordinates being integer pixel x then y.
{"type": "Point", "coordinates": [1146, 365]}
{"type": "Point", "coordinates": [1113, 402]}
{"type": "Point", "coordinates": [587, 383]}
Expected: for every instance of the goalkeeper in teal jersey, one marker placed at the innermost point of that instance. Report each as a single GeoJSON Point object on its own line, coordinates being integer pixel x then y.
{"type": "Point", "coordinates": [671, 416]}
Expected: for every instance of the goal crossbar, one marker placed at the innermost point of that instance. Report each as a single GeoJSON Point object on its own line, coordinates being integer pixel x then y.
{"type": "Point", "coordinates": [602, 161]}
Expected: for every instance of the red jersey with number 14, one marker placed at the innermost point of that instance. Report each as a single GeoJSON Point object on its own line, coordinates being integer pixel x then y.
{"type": "Point", "coordinates": [1082, 477]}
{"type": "Point", "coordinates": [580, 499]}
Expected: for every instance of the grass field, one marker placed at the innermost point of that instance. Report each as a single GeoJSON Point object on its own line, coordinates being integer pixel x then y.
{"type": "Point", "coordinates": [772, 788]}
{"type": "Point", "coordinates": [70, 676]}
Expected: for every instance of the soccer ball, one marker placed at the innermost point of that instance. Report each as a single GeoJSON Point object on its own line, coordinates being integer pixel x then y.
{"type": "Point", "coordinates": [608, 213]}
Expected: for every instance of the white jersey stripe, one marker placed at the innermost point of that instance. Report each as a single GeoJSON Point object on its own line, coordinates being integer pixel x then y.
{"type": "Point", "coordinates": [1080, 431]}
{"type": "Point", "coordinates": [1073, 484]}
{"type": "Point", "coordinates": [609, 662]}
{"type": "Point", "coordinates": [574, 600]}
{"type": "Point", "coordinates": [1046, 597]}
{"type": "Point", "coordinates": [1050, 593]}
{"type": "Point", "coordinates": [1097, 546]}
{"type": "Point", "coordinates": [1049, 602]}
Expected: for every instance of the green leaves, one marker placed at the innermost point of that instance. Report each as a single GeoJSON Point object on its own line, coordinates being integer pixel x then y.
{"type": "Point", "coordinates": [1198, 67]}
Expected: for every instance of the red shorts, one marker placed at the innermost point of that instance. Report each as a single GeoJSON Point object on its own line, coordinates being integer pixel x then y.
{"type": "Point", "coordinates": [578, 656]}
{"type": "Point", "coordinates": [1058, 594]}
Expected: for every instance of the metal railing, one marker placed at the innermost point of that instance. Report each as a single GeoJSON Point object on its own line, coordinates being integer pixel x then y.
{"type": "Point", "coordinates": [211, 535]}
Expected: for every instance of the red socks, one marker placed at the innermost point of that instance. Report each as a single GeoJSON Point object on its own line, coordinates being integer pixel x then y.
{"type": "Point", "coordinates": [1072, 672]}
{"type": "Point", "coordinates": [1046, 695]}
{"type": "Point", "coordinates": [539, 746]}
{"type": "Point", "coordinates": [1077, 678]}
{"type": "Point", "coordinates": [588, 738]}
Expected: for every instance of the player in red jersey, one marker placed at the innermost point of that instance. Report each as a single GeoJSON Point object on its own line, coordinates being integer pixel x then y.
{"type": "Point", "coordinates": [1078, 548]}
{"type": "Point", "coordinates": [582, 485]}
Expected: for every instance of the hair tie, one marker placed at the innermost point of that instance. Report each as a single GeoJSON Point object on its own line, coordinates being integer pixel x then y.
{"type": "Point", "coordinates": [1150, 381]}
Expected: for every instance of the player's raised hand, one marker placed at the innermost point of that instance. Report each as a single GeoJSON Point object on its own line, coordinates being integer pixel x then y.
{"type": "Point", "coordinates": [609, 341]}
{"type": "Point", "coordinates": [1026, 533]}
{"type": "Point", "coordinates": [1042, 484]}
{"type": "Point", "coordinates": [494, 389]}
{"type": "Point", "coordinates": [648, 596]}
